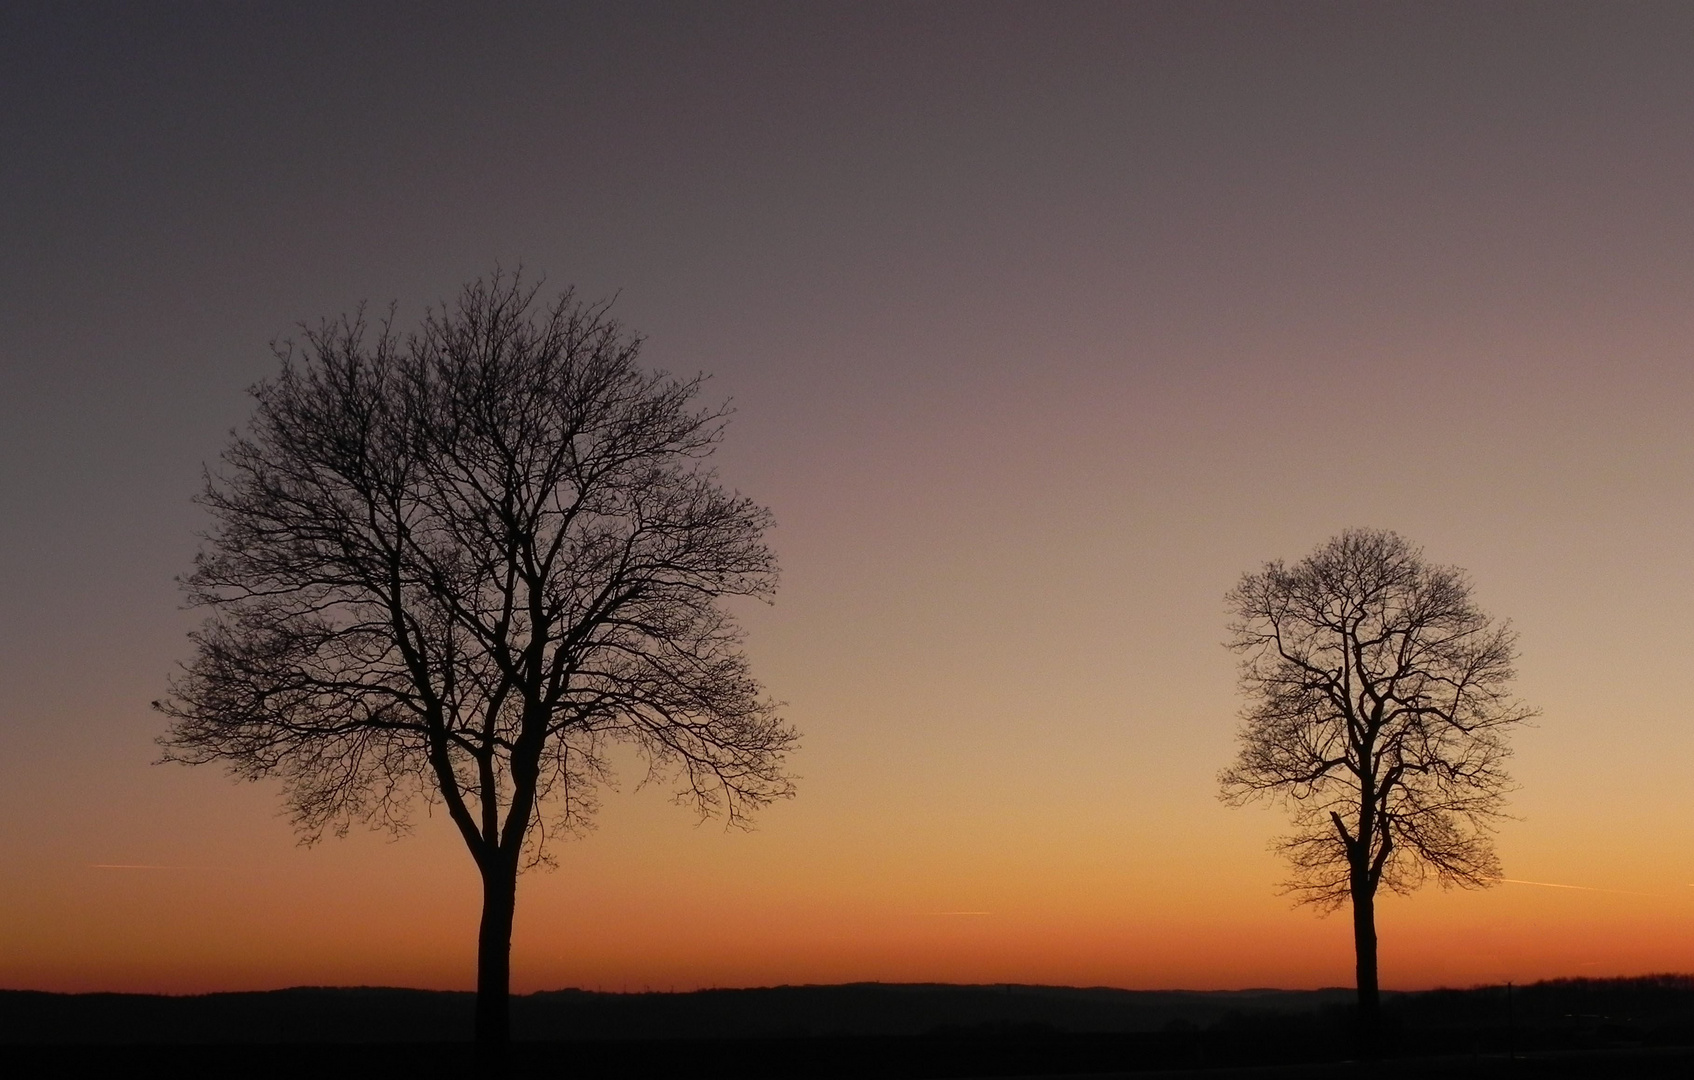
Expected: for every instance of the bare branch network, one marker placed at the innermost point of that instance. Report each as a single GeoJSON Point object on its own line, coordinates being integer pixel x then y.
{"type": "Point", "coordinates": [1378, 705]}
{"type": "Point", "coordinates": [456, 564]}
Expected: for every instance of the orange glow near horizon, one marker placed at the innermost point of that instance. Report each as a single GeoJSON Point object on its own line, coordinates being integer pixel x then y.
{"type": "Point", "coordinates": [169, 940]}
{"type": "Point", "coordinates": [652, 902]}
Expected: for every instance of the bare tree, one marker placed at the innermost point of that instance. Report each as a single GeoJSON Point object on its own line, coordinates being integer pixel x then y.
{"type": "Point", "coordinates": [453, 566]}
{"type": "Point", "coordinates": [1377, 708]}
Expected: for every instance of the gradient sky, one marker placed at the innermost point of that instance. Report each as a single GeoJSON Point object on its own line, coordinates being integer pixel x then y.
{"type": "Point", "coordinates": [1043, 324]}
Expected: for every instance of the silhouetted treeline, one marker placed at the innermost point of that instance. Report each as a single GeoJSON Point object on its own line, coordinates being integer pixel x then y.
{"type": "Point", "coordinates": [1649, 1001]}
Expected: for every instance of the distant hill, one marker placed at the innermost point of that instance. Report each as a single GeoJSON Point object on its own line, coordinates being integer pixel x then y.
{"type": "Point", "coordinates": [382, 1014]}
{"type": "Point", "coordinates": [1663, 1004]}
{"type": "Point", "coordinates": [893, 1009]}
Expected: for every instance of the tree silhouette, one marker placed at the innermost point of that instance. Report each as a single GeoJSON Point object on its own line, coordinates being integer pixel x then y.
{"type": "Point", "coordinates": [1377, 707]}
{"type": "Point", "coordinates": [454, 566]}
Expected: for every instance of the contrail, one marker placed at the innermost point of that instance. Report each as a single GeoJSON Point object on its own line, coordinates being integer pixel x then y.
{"type": "Point", "coordinates": [1579, 888]}
{"type": "Point", "coordinates": [961, 913]}
{"type": "Point", "coordinates": [133, 866]}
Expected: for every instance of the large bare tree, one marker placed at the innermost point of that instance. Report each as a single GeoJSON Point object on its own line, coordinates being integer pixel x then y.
{"type": "Point", "coordinates": [453, 566]}
{"type": "Point", "coordinates": [1378, 701]}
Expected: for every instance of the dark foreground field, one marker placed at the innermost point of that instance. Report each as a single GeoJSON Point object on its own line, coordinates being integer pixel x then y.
{"type": "Point", "coordinates": [1571, 1028]}
{"type": "Point", "coordinates": [816, 1057]}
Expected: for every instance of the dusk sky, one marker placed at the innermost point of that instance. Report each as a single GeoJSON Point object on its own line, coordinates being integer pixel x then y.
{"type": "Point", "coordinates": [1042, 323]}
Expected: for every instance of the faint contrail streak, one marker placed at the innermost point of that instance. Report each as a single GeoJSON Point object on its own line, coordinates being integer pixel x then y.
{"type": "Point", "coordinates": [961, 913]}
{"type": "Point", "coordinates": [1579, 888]}
{"type": "Point", "coordinates": [133, 866]}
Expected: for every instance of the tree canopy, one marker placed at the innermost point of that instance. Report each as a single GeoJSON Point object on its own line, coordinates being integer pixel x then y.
{"type": "Point", "coordinates": [1376, 690]}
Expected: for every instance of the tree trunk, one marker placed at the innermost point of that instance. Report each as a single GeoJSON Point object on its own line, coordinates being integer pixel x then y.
{"type": "Point", "coordinates": [1364, 953]}
{"type": "Point", "coordinates": [494, 956]}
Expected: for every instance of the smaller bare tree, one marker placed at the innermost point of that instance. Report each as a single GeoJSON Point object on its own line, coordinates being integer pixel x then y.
{"type": "Point", "coordinates": [1378, 703]}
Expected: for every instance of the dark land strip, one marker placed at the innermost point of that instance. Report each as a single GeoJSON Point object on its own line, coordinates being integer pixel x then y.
{"type": "Point", "coordinates": [1566, 1028]}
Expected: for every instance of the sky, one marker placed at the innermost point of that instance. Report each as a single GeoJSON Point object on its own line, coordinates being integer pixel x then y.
{"type": "Point", "coordinates": [1042, 324]}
